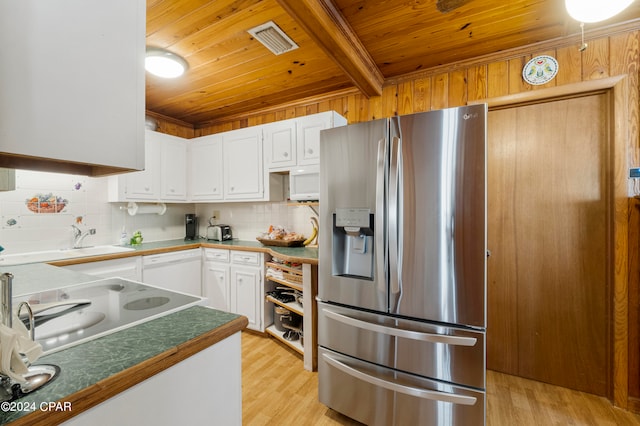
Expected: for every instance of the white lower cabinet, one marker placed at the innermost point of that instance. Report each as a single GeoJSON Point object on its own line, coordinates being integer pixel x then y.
{"type": "Point", "coordinates": [129, 268]}
{"type": "Point", "coordinates": [215, 279]}
{"type": "Point", "coordinates": [232, 281]}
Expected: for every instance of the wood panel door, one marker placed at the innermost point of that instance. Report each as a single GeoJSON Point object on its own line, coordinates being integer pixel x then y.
{"type": "Point", "coordinates": [549, 198]}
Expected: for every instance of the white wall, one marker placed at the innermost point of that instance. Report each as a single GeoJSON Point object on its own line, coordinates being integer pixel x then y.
{"type": "Point", "coordinates": [87, 198]}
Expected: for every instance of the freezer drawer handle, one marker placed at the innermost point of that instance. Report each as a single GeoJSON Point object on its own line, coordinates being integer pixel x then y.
{"type": "Point", "coordinates": [415, 335]}
{"type": "Point", "coordinates": [407, 390]}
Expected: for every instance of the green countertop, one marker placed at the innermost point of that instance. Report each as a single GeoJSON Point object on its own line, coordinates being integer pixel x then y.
{"type": "Point", "coordinates": [86, 364]}
{"type": "Point", "coordinates": [305, 254]}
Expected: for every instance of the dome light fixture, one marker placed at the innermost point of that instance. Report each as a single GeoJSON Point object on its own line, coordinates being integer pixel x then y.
{"type": "Point", "coordinates": [163, 63]}
{"type": "Point", "coordinates": [595, 10]}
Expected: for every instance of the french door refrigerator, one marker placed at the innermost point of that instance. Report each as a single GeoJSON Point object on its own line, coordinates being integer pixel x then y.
{"type": "Point", "coordinates": [402, 269]}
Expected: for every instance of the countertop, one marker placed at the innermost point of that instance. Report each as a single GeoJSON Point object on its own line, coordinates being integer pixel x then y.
{"type": "Point", "coordinates": [95, 371]}
{"type": "Point", "coordinates": [291, 254]}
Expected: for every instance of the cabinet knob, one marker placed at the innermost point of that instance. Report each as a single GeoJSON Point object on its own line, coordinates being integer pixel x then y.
{"type": "Point", "coordinates": [146, 188]}
{"type": "Point", "coordinates": [285, 155]}
{"type": "Point", "coordinates": [310, 151]}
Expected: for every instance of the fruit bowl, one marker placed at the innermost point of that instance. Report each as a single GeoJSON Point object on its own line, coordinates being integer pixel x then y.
{"type": "Point", "coordinates": [280, 243]}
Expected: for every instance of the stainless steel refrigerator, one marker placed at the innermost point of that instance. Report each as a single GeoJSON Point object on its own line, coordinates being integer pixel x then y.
{"type": "Point", "coordinates": [402, 269]}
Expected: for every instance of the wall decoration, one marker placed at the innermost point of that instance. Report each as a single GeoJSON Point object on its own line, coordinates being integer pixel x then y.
{"type": "Point", "coordinates": [540, 70]}
{"type": "Point", "coordinates": [46, 203]}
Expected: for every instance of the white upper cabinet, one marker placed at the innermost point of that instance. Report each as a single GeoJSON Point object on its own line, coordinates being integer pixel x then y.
{"type": "Point", "coordinates": [173, 166]}
{"type": "Point", "coordinates": [205, 168]}
{"type": "Point", "coordinates": [73, 85]}
{"type": "Point", "coordinates": [280, 144]}
{"type": "Point", "coordinates": [243, 167]}
{"type": "Point", "coordinates": [308, 135]}
{"type": "Point", "coordinates": [164, 176]}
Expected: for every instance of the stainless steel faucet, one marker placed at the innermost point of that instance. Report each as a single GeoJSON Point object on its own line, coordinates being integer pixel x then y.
{"type": "Point", "coordinates": [79, 235]}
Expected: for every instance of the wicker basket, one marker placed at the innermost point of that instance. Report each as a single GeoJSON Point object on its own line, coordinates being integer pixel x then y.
{"type": "Point", "coordinates": [46, 207]}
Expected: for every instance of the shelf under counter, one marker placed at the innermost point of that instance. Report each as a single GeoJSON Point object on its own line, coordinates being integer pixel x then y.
{"type": "Point", "coordinates": [293, 344]}
{"type": "Point", "coordinates": [294, 286]}
{"type": "Point", "coordinates": [292, 306]}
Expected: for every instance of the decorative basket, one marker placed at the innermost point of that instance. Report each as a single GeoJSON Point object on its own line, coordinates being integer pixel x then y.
{"type": "Point", "coordinates": [37, 207]}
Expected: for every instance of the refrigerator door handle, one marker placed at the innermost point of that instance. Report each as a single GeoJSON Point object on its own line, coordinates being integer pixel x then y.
{"type": "Point", "coordinates": [394, 186]}
{"type": "Point", "coordinates": [407, 334]}
{"type": "Point", "coordinates": [407, 390]}
{"type": "Point", "coordinates": [381, 217]}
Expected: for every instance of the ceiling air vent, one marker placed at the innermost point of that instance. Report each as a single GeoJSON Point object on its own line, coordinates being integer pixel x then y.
{"type": "Point", "coordinates": [273, 38]}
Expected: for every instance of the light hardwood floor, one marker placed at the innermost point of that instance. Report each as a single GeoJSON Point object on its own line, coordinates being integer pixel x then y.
{"type": "Point", "coordinates": [276, 390]}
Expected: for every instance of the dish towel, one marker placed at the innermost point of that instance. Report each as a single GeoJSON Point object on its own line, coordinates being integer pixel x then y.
{"type": "Point", "coordinates": [17, 350]}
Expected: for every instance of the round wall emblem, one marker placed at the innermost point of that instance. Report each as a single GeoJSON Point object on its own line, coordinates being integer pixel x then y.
{"type": "Point", "coordinates": [540, 70]}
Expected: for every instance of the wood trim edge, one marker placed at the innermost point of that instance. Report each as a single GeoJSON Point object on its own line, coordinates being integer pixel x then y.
{"type": "Point", "coordinates": [119, 382]}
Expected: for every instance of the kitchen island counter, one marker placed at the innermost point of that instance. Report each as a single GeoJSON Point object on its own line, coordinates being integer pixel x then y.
{"type": "Point", "coordinates": [95, 371]}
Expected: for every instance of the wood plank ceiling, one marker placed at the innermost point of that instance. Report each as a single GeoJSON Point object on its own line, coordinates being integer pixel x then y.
{"type": "Point", "coordinates": [343, 45]}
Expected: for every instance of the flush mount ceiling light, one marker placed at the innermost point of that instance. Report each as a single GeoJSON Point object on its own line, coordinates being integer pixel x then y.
{"type": "Point", "coordinates": [273, 38]}
{"type": "Point", "coordinates": [595, 10]}
{"type": "Point", "coordinates": [163, 63]}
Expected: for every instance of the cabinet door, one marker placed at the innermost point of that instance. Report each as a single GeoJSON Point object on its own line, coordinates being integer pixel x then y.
{"type": "Point", "coordinates": [205, 168]}
{"type": "Point", "coordinates": [173, 166]}
{"type": "Point", "coordinates": [216, 285]}
{"type": "Point", "coordinates": [243, 172]}
{"type": "Point", "coordinates": [246, 295]}
{"type": "Point", "coordinates": [144, 185]}
{"type": "Point", "coordinates": [280, 144]}
{"type": "Point", "coordinates": [78, 95]}
{"type": "Point", "coordinates": [308, 138]}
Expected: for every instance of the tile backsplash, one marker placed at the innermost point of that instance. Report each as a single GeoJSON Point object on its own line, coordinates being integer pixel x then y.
{"type": "Point", "coordinates": [85, 203]}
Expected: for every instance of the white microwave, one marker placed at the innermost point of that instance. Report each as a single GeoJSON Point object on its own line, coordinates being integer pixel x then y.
{"type": "Point", "coordinates": [304, 183]}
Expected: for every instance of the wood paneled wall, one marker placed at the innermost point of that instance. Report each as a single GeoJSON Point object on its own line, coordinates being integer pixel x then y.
{"type": "Point", "coordinates": [500, 75]}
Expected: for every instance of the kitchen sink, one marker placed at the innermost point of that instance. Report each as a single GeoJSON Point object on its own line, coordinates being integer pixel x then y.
{"type": "Point", "coordinates": [60, 254]}
{"type": "Point", "coordinates": [68, 316]}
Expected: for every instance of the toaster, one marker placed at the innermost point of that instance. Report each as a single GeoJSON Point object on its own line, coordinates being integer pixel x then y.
{"type": "Point", "coordinates": [219, 232]}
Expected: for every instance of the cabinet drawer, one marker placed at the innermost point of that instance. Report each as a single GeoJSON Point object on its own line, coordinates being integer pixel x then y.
{"type": "Point", "coordinates": [245, 258]}
{"type": "Point", "coordinates": [216, 255]}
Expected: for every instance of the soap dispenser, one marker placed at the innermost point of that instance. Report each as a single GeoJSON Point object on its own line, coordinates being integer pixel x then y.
{"type": "Point", "coordinates": [124, 238]}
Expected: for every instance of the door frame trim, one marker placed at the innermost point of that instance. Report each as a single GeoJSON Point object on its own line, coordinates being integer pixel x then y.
{"type": "Point", "coordinates": [624, 143]}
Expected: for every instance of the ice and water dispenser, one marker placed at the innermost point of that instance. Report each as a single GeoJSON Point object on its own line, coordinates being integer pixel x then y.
{"type": "Point", "coordinates": [353, 243]}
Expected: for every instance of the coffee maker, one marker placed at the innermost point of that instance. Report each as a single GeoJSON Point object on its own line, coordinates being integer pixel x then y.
{"type": "Point", "coordinates": [191, 226]}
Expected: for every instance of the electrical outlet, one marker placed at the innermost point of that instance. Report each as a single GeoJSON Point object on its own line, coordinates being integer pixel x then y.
{"type": "Point", "coordinates": [216, 214]}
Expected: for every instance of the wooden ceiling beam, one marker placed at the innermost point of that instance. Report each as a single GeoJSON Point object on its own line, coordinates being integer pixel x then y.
{"type": "Point", "coordinates": [324, 23]}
